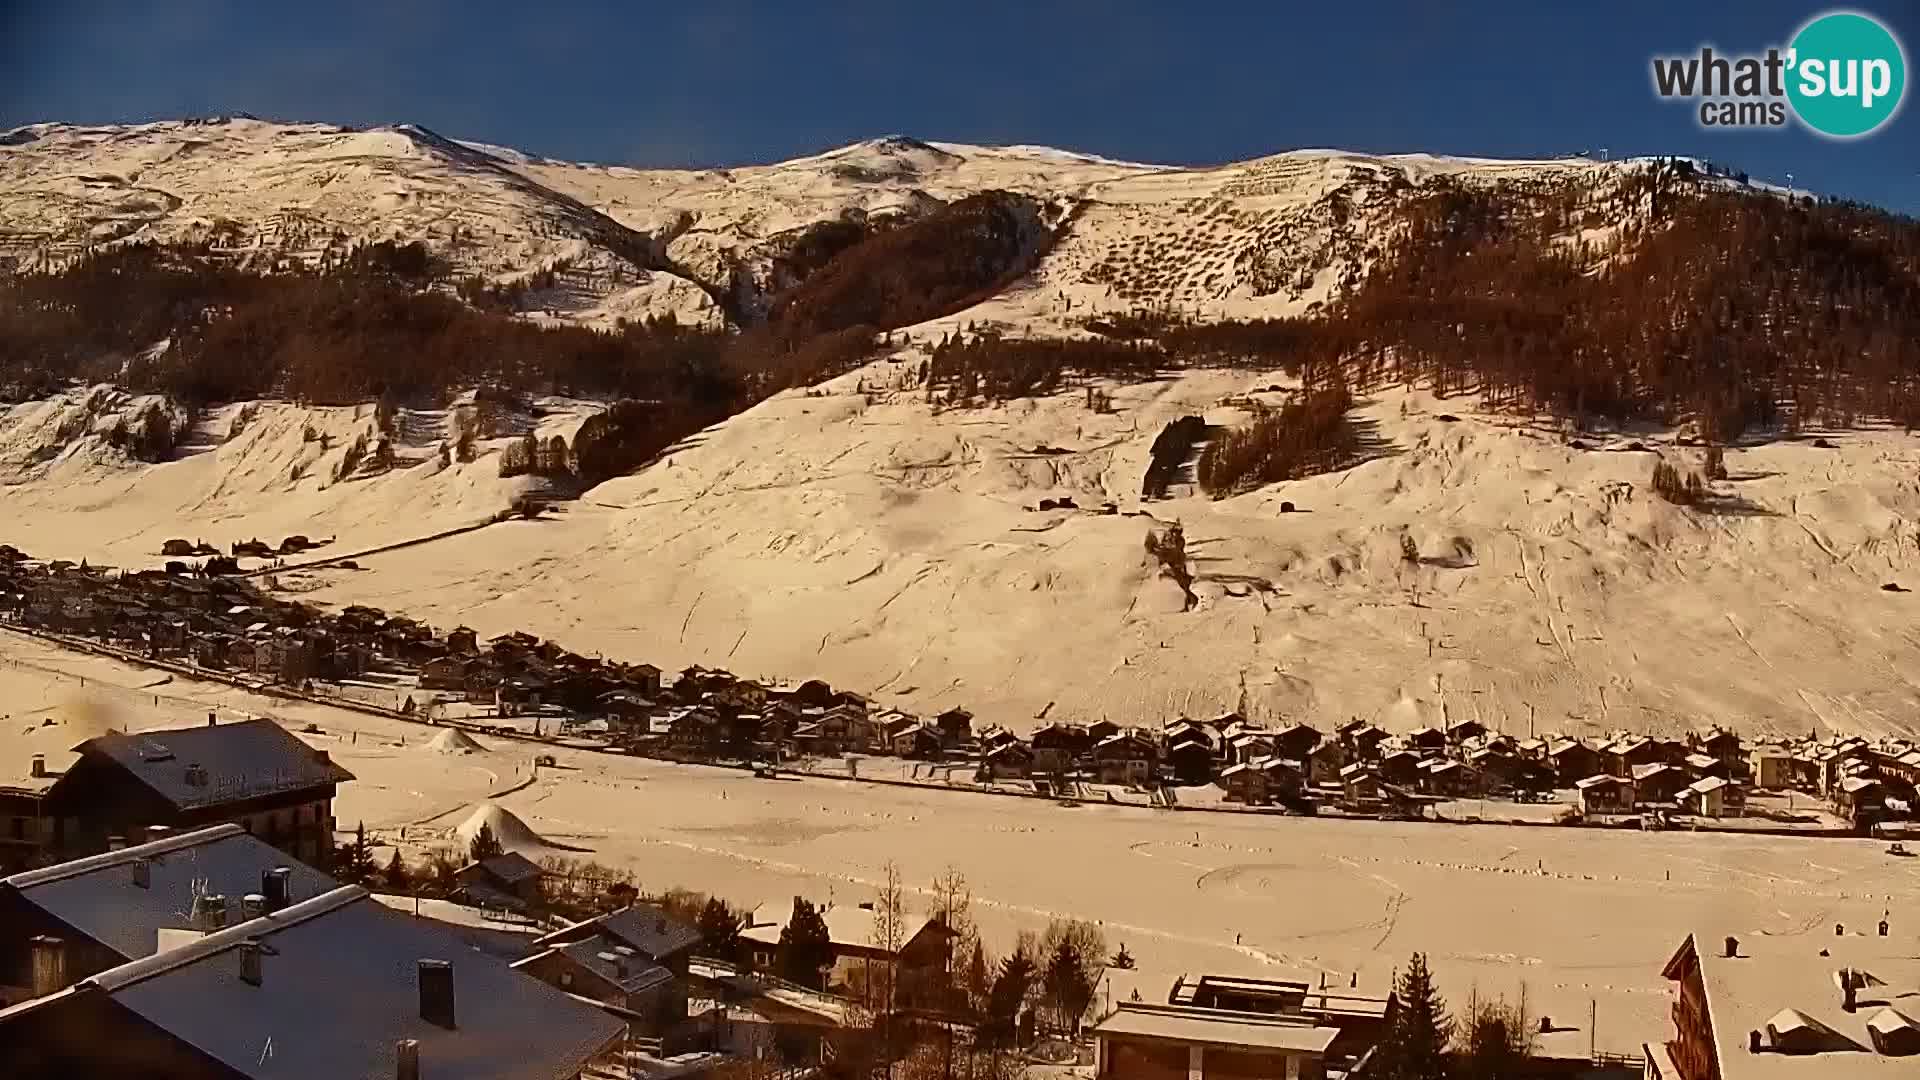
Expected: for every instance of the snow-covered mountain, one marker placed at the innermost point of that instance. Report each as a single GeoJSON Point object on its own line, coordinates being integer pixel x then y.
{"type": "Point", "coordinates": [1263, 237]}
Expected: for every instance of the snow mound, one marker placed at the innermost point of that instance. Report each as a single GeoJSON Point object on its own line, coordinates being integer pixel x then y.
{"type": "Point", "coordinates": [455, 741]}
{"type": "Point", "coordinates": [513, 834]}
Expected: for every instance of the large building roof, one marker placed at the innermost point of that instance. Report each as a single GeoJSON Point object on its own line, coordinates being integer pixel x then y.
{"type": "Point", "coordinates": [1788, 986]}
{"type": "Point", "coordinates": [1212, 1027]}
{"type": "Point", "coordinates": [100, 896]}
{"type": "Point", "coordinates": [238, 761]}
{"type": "Point", "coordinates": [339, 988]}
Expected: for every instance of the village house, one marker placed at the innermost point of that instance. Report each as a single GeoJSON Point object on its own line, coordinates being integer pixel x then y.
{"type": "Point", "coordinates": [1445, 777]}
{"type": "Point", "coordinates": [1101, 730]}
{"type": "Point", "coordinates": [1620, 757]}
{"type": "Point", "coordinates": [1326, 761]}
{"type": "Point", "coordinates": [636, 958]}
{"type": "Point", "coordinates": [1366, 742]}
{"type": "Point", "coordinates": [334, 986]}
{"type": "Point", "coordinates": [1465, 731]}
{"type": "Point", "coordinates": [1125, 758]}
{"type": "Point", "coordinates": [506, 882]}
{"type": "Point", "coordinates": [1703, 765]}
{"type": "Point", "coordinates": [1402, 767]}
{"type": "Point", "coordinates": [1658, 783]}
{"type": "Point", "coordinates": [858, 959]}
{"type": "Point", "coordinates": [1360, 787]}
{"type": "Point", "coordinates": [1426, 739]}
{"type": "Point", "coordinates": [1057, 748]}
{"type": "Point", "coordinates": [1361, 1019]}
{"type": "Point", "coordinates": [917, 742]}
{"type": "Point", "coordinates": [463, 640]}
{"type": "Point", "coordinates": [26, 833]}
{"type": "Point", "coordinates": [1605, 794]}
{"type": "Point", "coordinates": [1245, 783]}
{"type": "Point", "coordinates": [1248, 745]}
{"type": "Point", "coordinates": [1765, 1007]}
{"type": "Point", "coordinates": [1295, 742]}
{"type": "Point", "coordinates": [1148, 1040]}
{"type": "Point", "coordinates": [1721, 744]}
{"type": "Point", "coordinates": [1713, 797]}
{"type": "Point", "coordinates": [1190, 759]}
{"type": "Point", "coordinates": [645, 678]}
{"type": "Point", "coordinates": [1859, 799]}
{"type": "Point", "coordinates": [448, 672]}
{"type": "Point", "coordinates": [1008, 761]}
{"type": "Point", "coordinates": [955, 726]}
{"type": "Point", "coordinates": [1773, 769]}
{"type": "Point", "coordinates": [253, 774]}
{"type": "Point", "coordinates": [1574, 761]}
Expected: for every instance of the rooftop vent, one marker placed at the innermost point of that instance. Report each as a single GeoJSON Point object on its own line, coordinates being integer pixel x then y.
{"type": "Point", "coordinates": [277, 886]}
{"type": "Point", "coordinates": [250, 951]}
{"type": "Point", "coordinates": [436, 993]}
{"type": "Point", "coordinates": [153, 751]}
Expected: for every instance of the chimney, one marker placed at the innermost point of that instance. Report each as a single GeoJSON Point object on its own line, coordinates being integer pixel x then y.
{"type": "Point", "coordinates": [39, 767]}
{"type": "Point", "coordinates": [196, 776]}
{"type": "Point", "coordinates": [277, 885]}
{"type": "Point", "coordinates": [250, 972]}
{"type": "Point", "coordinates": [49, 965]}
{"type": "Point", "coordinates": [252, 906]}
{"type": "Point", "coordinates": [436, 993]}
{"type": "Point", "coordinates": [211, 719]}
{"type": "Point", "coordinates": [1839, 929]}
{"type": "Point", "coordinates": [143, 874]}
{"type": "Point", "coordinates": [157, 832]}
{"type": "Point", "coordinates": [1849, 1000]}
{"type": "Point", "coordinates": [1754, 1045]}
{"type": "Point", "coordinates": [1884, 928]}
{"type": "Point", "coordinates": [1733, 946]}
{"type": "Point", "coordinates": [406, 1060]}
{"type": "Point", "coordinates": [116, 843]}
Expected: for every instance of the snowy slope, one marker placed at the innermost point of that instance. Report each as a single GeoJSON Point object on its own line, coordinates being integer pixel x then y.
{"type": "Point", "coordinates": [637, 242]}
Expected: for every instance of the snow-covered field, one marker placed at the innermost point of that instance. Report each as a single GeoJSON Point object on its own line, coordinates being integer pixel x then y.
{"type": "Point", "coordinates": [1576, 916]}
{"type": "Point", "coordinates": [854, 534]}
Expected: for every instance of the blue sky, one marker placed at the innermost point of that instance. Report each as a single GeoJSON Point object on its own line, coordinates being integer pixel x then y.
{"type": "Point", "coordinates": [728, 83]}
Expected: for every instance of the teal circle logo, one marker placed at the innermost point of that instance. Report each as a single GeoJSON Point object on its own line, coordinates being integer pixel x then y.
{"type": "Point", "coordinates": [1847, 75]}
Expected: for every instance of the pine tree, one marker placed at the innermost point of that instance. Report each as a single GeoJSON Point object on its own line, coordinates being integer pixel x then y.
{"type": "Point", "coordinates": [484, 845]}
{"type": "Point", "coordinates": [1009, 992]}
{"type": "Point", "coordinates": [397, 876]}
{"type": "Point", "coordinates": [1415, 1047]}
{"type": "Point", "coordinates": [719, 929]}
{"type": "Point", "coordinates": [806, 948]}
{"type": "Point", "coordinates": [979, 982]}
{"type": "Point", "coordinates": [359, 867]}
